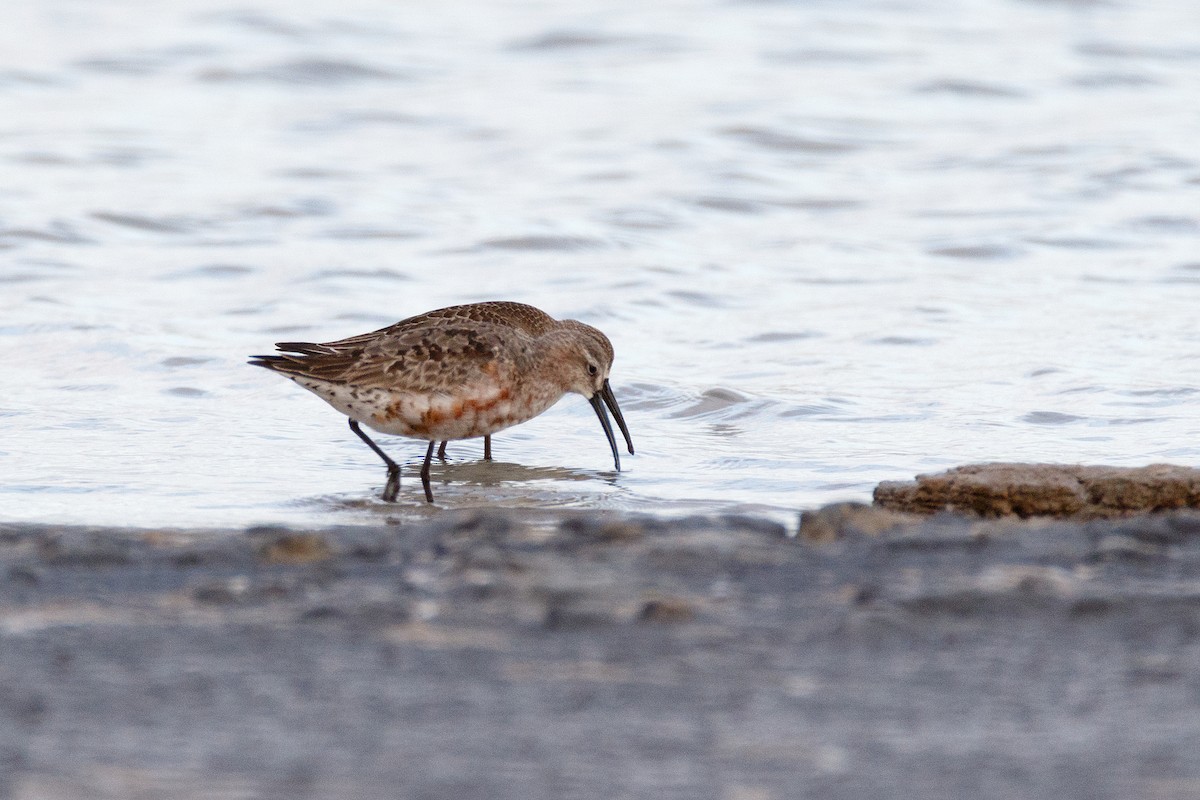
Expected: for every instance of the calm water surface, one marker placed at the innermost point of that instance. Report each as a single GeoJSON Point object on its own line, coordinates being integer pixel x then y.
{"type": "Point", "coordinates": [833, 243]}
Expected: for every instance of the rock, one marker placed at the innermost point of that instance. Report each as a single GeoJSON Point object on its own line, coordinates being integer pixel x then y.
{"type": "Point", "coordinates": [84, 548]}
{"type": "Point", "coordinates": [581, 614]}
{"type": "Point", "coordinates": [603, 529]}
{"type": "Point", "coordinates": [222, 592]}
{"type": "Point", "coordinates": [1054, 490]}
{"type": "Point", "coordinates": [832, 522]}
{"type": "Point", "coordinates": [296, 548]}
{"type": "Point", "coordinates": [667, 610]}
{"type": "Point", "coordinates": [24, 575]}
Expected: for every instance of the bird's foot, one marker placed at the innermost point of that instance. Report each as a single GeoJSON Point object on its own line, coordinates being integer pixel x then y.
{"type": "Point", "coordinates": [392, 487]}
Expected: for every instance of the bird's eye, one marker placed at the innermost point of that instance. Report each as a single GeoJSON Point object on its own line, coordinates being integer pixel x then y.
{"type": "Point", "coordinates": [593, 369]}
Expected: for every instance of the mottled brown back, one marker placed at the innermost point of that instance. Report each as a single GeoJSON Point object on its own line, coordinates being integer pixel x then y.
{"type": "Point", "coordinates": [421, 353]}
{"type": "Point", "coordinates": [532, 320]}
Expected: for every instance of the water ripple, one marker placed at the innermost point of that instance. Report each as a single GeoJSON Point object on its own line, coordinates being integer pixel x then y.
{"type": "Point", "coordinates": [1109, 49]}
{"type": "Point", "coordinates": [970, 88]}
{"type": "Point", "coordinates": [833, 242]}
{"type": "Point", "coordinates": [578, 40]}
{"type": "Point", "coordinates": [220, 271]}
{"type": "Point", "coordinates": [539, 243]}
{"type": "Point", "coordinates": [147, 223]}
{"type": "Point", "coordinates": [385, 274]}
{"type": "Point", "coordinates": [1050, 418]}
{"type": "Point", "coordinates": [772, 139]}
{"type": "Point", "coordinates": [58, 232]}
{"type": "Point", "coordinates": [775, 337]}
{"type": "Point", "coordinates": [183, 361]}
{"type": "Point", "coordinates": [984, 251]}
{"type": "Point", "coordinates": [304, 72]}
{"type": "Point", "coordinates": [713, 401]}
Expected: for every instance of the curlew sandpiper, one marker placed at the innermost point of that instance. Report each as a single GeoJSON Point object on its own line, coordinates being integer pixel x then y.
{"type": "Point", "coordinates": [455, 373]}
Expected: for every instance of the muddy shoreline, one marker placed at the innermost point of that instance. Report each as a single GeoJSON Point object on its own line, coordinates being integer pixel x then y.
{"type": "Point", "coordinates": [589, 655]}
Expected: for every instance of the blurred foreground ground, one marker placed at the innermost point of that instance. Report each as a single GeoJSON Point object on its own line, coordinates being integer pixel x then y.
{"type": "Point", "coordinates": [594, 656]}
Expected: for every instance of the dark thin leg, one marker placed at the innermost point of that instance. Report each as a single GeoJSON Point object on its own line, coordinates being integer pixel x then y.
{"type": "Point", "coordinates": [425, 472]}
{"type": "Point", "coordinates": [487, 449]}
{"type": "Point", "coordinates": [392, 487]}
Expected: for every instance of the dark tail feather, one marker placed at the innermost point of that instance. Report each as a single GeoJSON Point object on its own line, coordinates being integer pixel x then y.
{"type": "Point", "coordinates": [316, 361]}
{"type": "Point", "coordinates": [269, 362]}
{"type": "Point", "coordinates": [293, 354]}
{"type": "Point", "coordinates": [288, 362]}
{"type": "Point", "coordinates": [304, 348]}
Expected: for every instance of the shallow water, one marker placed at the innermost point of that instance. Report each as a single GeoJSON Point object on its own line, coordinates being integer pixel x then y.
{"type": "Point", "coordinates": [832, 243]}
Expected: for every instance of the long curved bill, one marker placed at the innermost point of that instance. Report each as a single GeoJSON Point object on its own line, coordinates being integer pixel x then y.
{"type": "Point", "coordinates": [599, 400]}
{"type": "Point", "coordinates": [610, 400]}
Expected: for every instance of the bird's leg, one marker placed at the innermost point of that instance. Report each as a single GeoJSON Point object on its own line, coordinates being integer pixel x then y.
{"type": "Point", "coordinates": [392, 487]}
{"type": "Point", "coordinates": [425, 472]}
{"type": "Point", "coordinates": [487, 449]}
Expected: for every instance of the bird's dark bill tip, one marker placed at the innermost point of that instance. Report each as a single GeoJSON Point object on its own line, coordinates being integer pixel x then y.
{"type": "Point", "coordinates": [610, 400]}
{"type": "Point", "coordinates": [602, 414]}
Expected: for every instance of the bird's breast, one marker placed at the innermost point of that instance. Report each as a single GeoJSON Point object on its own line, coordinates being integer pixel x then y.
{"type": "Point", "coordinates": [461, 415]}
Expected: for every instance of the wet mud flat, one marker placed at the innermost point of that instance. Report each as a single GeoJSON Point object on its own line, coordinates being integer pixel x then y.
{"type": "Point", "coordinates": [576, 656]}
